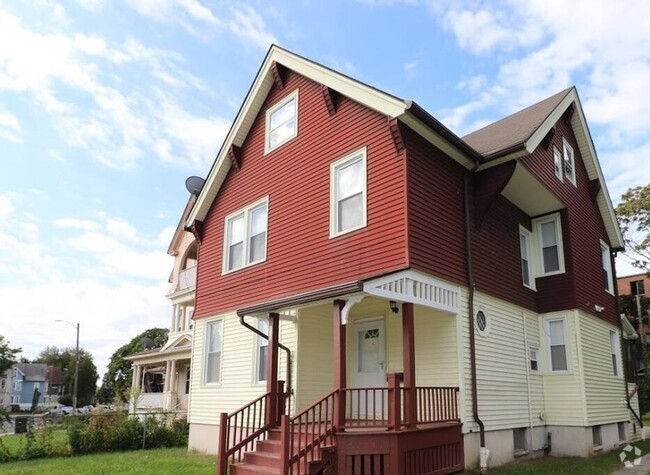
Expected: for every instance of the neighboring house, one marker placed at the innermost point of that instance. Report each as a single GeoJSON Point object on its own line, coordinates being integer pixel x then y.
{"type": "Point", "coordinates": [161, 375]}
{"type": "Point", "coordinates": [460, 288]}
{"type": "Point", "coordinates": [637, 285]}
{"type": "Point", "coordinates": [6, 388]}
{"type": "Point", "coordinates": [29, 377]}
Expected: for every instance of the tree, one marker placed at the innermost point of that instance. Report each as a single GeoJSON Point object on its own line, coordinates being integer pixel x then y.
{"type": "Point", "coordinates": [117, 380]}
{"type": "Point", "coordinates": [65, 359]}
{"type": "Point", "coordinates": [634, 218]}
{"type": "Point", "coordinates": [7, 355]}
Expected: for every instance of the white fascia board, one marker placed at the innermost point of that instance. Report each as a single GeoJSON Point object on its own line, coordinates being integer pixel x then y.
{"type": "Point", "coordinates": [542, 130]}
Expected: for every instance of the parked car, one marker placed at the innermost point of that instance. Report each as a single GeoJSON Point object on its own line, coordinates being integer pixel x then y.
{"type": "Point", "coordinates": [65, 410]}
{"type": "Point", "coordinates": [85, 409]}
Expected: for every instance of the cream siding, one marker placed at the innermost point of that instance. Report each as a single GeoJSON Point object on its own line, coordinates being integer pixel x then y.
{"type": "Point", "coordinates": [605, 393]}
{"type": "Point", "coordinates": [237, 386]}
{"type": "Point", "coordinates": [186, 240]}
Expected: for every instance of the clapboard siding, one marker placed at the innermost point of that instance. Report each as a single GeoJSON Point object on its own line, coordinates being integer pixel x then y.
{"type": "Point", "coordinates": [296, 178]}
{"type": "Point", "coordinates": [605, 393]}
{"type": "Point", "coordinates": [237, 386]}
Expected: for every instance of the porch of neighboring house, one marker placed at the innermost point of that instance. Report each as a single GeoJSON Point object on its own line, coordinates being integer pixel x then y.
{"type": "Point", "coordinates": [160, 384]}
{"type": "Point", "coordinates": [376, 387]}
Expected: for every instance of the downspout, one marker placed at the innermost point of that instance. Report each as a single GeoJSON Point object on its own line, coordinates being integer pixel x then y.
{"type": "Point", "coordinates": [527, 361]}
{"type": "Point", "coordinates": [280, 345]}
{"type": "Point", "coordinates": [470, 308]}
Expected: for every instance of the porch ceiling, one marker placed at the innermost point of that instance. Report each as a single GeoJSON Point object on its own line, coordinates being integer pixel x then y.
{"type": "Point", "coordinates": [417, 288]}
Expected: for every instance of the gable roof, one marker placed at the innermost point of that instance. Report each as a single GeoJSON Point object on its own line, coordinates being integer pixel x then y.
{"type": "Point", "coordinates": [172, 250]}
{"type": "Point", "coordinates": [509, 138]}
{"type": "Point", "coordinates": [407, 111]}
{"type": "Point", "coordinates": [516, 130]}
{"type": "Point", "coordinates": [33, 371]}
{"type": "Point", "coordinates": [519, 134]}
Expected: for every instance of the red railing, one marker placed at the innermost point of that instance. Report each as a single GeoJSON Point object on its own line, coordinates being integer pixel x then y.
{"type": "Point", "coordinates": [307, 433]}
{"type": "Point", "coordinates": [366, 407]}
{"type": "Point", "coordinates": [240, 430]}
{"type": "Point", "coordinates": [437, 404]}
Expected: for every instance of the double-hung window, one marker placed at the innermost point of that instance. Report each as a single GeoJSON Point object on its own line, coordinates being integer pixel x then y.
{"type": "Point", "coordinates": [262, 349]}
{"type": "Point", "coordinates": [549, 240]}
{"type": "Point", "coordinates": [245, 236]}
{"type": "Point", "coordinates": [555, 330]}
{"type": "Point", "coordinates": [613, 343]}
{"type": "Point", "coordinates": [558, 164]}
{"type": "Point", "coordinates": [525, 239]}
{"type": "Point", "coordinates": [348, 193]}
{"type": "Point", "coordinates": [214, 342]}
{"type": "Point", "coordinates": [281, 122]}
{"type": "Point", "coordinates": [569, 162]}
{"type": "Point", "coordinates": [607, 267]}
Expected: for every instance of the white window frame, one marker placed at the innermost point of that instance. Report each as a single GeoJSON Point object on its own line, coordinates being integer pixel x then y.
{"type": "Point", "coordinates": [259, 342]}
{"type": "Point", "coordinates": [528, 236]}
{"type": "Point", "coordinates": [267, 135]}
{"type": "Point", "coordinates": [537, 225]}
{"type": "Point", "coordinates": [245, 212]}
{"type": "Point", "coordinates": [533, 355]}
{"type": "Point", "coordinates": [220, 321]}
{"type": "Point", "coordinates": [348, 159]}
{"type": "Point", "coordinates": [547, 331]}
{"type": "Point", "coordinates": [558, 164]}
{"type": "Point", "coordinates": [606, 259]}
{"type": "Point", "coordinates": [569, 156]}
{"type": "Point", "coordinates": [615, 350]}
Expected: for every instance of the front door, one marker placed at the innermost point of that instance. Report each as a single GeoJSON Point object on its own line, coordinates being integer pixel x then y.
{"type": "Point", "coordinates": [370, 366]}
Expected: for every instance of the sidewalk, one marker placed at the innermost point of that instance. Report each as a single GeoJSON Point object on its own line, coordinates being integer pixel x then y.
{"type": "Point", "coordinates": [643, 467]}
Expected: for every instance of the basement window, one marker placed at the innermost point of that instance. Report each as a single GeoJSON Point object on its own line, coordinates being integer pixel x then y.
{"type": "Point", "coordinates": [520, 437]}
{"type": "Point", "coordinates": [597, 435]}
{"type": "Point", "coordinates": [622, 436]}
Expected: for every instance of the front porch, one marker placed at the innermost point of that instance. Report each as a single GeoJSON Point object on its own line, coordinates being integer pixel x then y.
{"type": "Point", "coordinates": [357, 407]}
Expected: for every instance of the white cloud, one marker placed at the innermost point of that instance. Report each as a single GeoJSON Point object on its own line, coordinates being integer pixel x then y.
{"type": "Point", "coordinates": [6, 207]}
{"type": "Point", "coordinates": [175, 11]}
{"type": "Point", "coordinates": [10, 128]}
{"type": "Point", "coordinates": [249, 26]}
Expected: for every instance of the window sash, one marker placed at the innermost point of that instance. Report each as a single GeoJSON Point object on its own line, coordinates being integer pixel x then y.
{"type": "Point", "coordinates": [246, 237]}
{"type": "Point", "coordinates": [262, 349]}
{"type": "Point", "coordinates": [548, 232]}
{"type": "Point", "coordinates": [348, 194]}
{"type": "Point", "coordinates": [613, 343]}
{"type": "Point", "coordinates": [558, 164]}
{"type": "Point", "coordinates": [281, 122]}
{"type": "Point", "coordinates": [569, 162]}
{"type": "Point", "coordinates": [558, 357]}
{"type": "Point", "coordinates": [214, 332]}
{"type": "Point", "coordinates": [607, 267]}
{"type": "Point", "coordinates": [526, 264]}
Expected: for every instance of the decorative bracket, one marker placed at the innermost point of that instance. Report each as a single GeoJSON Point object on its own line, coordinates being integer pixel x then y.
{"type": "Point", "coordinates": [234, 153]}
{"type": "Point", "coordinates": [396, 133]}
{"type": "Point", "coordinates": [330, 96]}
{"type": "Point", "coordinates": [568, 113]}
{"type": "Point", "coordinates": [197, 230]}
{"type": "Point", "coordinates": [546, 141]}
{"type": "Point", "coordinates": [277, 70]}
{"type": "Point", "coordinates": [351, 302]}
{"type": "Point", "coordinates": [594, 188]}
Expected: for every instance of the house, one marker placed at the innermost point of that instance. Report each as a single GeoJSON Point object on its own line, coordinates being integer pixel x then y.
{"type": "Point", "coordinates": [377, 294]}
{"type": "Point", "coordinates": [634, 288]}
{"type": "Point", "coordinates": [28, 378]}
{"type": "Point", "coordinates": [161, 375]}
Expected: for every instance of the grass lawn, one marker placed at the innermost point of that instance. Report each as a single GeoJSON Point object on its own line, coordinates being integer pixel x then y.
{"type": "Point", "coordinates": [155, 462]}
{"type": "Point", "coordinates": [15, 442]}
{"type": "Point", "coordinates": [597, 465]}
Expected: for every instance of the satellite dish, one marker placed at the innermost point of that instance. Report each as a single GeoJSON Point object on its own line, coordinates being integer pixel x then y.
{"type": "Point", "coordinates": [147, 343]}
{"type": "Point", "coordinates": [194, 185]}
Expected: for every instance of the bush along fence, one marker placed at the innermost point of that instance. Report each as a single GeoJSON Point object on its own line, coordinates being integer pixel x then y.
{"type": "Point", "coordinates": [93, 433]}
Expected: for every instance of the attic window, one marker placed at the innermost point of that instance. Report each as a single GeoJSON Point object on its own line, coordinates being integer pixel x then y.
{"type": "Point", "coordinates": [569, 162]}
{"type": "Point", "coordinates": [557, 164]}
{"type": "Point", "coordinates": [281, 122]}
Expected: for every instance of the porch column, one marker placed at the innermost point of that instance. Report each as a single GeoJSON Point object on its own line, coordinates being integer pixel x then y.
{"type": "Point", "coordinates": [272, 369]}
{"type": "Point", "coordinates": [339, 369]}
{"type": "Point", "coordinates": [408, 345]}
{"type": "Point", "coordinates": [167, 377]}
{"type": "Point", "coordinates": [172, 384]}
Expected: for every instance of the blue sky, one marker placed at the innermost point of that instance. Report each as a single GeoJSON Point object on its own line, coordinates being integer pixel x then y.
{"type": "Point", "coordinates": [107, 106]}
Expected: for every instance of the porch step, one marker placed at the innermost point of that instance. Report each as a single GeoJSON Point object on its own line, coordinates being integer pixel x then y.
{"type": "Point", "coordinates": [250, 469]}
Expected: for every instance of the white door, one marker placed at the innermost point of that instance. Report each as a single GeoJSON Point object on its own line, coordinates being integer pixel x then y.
{"type": "Point", "coordinates": [369, 369]}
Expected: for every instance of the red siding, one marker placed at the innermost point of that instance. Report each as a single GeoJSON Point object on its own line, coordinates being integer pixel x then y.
{"type": "Point", "coordinates": [583, 228]}
{"type": "Point", "coordinates": [300, 255]}
{"type": "Point", "coordinates": [435, 210]}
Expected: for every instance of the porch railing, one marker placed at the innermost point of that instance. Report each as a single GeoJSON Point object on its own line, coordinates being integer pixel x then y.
{"type": "Point", "coordinates": [304, 435]}
{"type": "Point", "coordinates": [366, 407]}
{"type": "Point", "coordinates": [437, 404]}
{"type": "Point", "coordinates": [240, 430]}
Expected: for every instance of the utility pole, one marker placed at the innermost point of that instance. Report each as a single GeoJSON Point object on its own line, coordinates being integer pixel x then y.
{"type": "Point", "coordinates": [637, 297]}
{"type": "Point", "coordinates": [76, 365]}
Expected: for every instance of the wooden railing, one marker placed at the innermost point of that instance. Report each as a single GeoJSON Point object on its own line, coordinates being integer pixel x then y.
{"type": "Point", "coordinates": [240, 430]}
{"type": "Point", "coordinates": [437, 404]}
{"type": "Point", "coordinates": [307, 433]}
{"type": "Point", "coordinates": [366, 407]}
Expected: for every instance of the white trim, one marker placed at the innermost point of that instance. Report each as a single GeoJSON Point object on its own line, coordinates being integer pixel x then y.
{"type": "Point", "coordinates": [547, 331]}
{"type": "Point", "coordinates": [537, 223]}
{"type": "Point", "coordinates": [606, 259]}
{"type": "Point", "coordinates": [270, 111]}
{"type": "Point", "coordinates": [205, 381]}
{"type": "Point", "coordinates": [558, 164]}
{"type": "Point", "coordinates": [245, 213]}
{"type": "Point", "coordinates": [568, 155]}
{"type": "Point", "coordinates": [523, 232]}
{"type": "Point", "coordinates": [357, 155]}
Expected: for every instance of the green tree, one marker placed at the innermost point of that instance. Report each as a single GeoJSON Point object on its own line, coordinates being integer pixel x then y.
{"type": "Point", "coordinates": [117, 380]}
{"type": "Point", "coordinates": [65, 359]}
{"type": "Point", "coordinates": [634, 218]}
{"type": "Point", "coordinates": [7, 355]}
